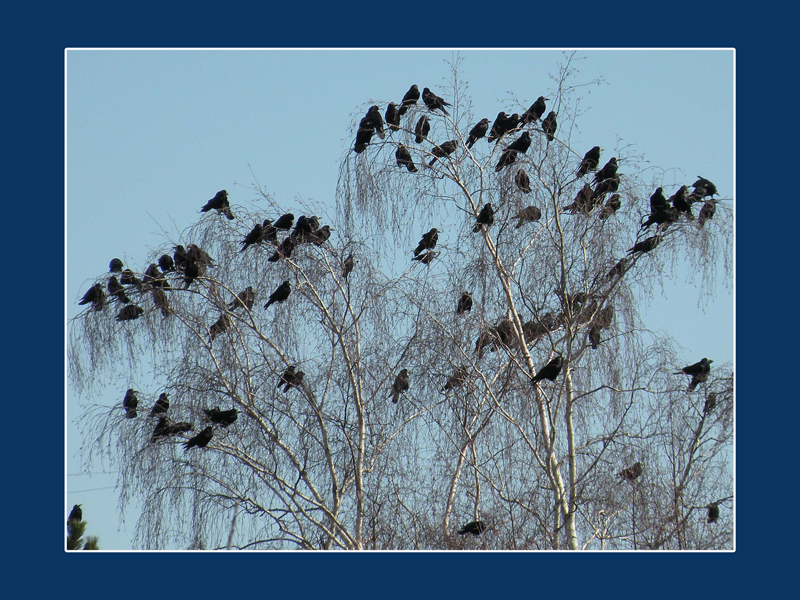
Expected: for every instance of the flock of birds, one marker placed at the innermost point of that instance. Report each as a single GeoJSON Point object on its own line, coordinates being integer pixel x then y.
{"type": "Point", "coordinates": [192, 262]}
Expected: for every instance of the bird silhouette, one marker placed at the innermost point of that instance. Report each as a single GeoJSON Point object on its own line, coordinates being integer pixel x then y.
{"type": "Point", "coordinates": [421, 129]}
{"type": "Point", "coordinates": [161, 406]}
{"type": "Point", "coordinates": [129, 403]}
{"type": "Point", "coordinates": [477, 132]}
{"type": "Point", "coordinates": [96, 296]}
{"type": "Point", "coordinates": [410, 99]}
{"type": "Point", "coordinates": [76, 514]}
{"type": "Point", "coordinates": [536, 110]}
{"type": "Point", "coordinates": [219, 203]}
{"type": "Point", "coordinates": [631, 473]}
{"type": "Point", "coordinates": [590, 161]}
{"type": "Point", "coordinates": [280, 294]}
{"type": "Point", "coordinates": [549, 126]}
{"type": "Point", "coordinates": [434, 102]}
{"type": "Point", "coordinates": [115, 266]}
{"type": "Point", "coordinates": [443, 150]}
{"type": "Point", "coordinates": [523, 181]}
{"type": "Point", "coordinates": [221, 417]}
{"type": "Point", "coordinates": [428, 241]}
{"type": "Point", "coordinates": [473, 527]}
{"type": "Point", "coordinates": [519, 146]}
{"type": "Point", "coordinates": [527, 215]}
{"type": "Point", "coordinates": [464, 303]}
{"type": "Point", "coordinates": [201, 440]}
{"type": "Point", "coordinates": [403, 158]}
{"type": "Point", "coordinates": [550, 371]}
{"type": "Point", "coordinates": [400, 385]}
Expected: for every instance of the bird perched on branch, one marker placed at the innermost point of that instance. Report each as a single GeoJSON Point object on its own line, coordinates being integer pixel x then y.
{"type": "Point", "coordinates": [161, 406]}
{"type": "Point", "coordinates": [371, 123]}
{"type": "Point", "coordinates": [434, 102]}
{"type": "Point", "coordinates": [658, 201]}
{"type": "Point", "coordinates": [582, 202]}
{"type": "Point", "coordinates": [219, 326]}
{"type": "Point", "coordinates": [612, 205]}
{"type": "Point", "coordinates": [392, 117]}
{"type": "Point", "coordinates": [288, 376]}
{"type": "Point", "coordinates": [663, 216]}
{"type": "Point", "coordinates": [679, 202]}
{"type": "Point", "coordinates": [519, 146]}
{"type": "Point", "coordinates": [76, 514]}
{"type": "Point", "coordinates": [244, 299]}
{"type": "Point", "coordinates": [527, 215]}
{"type": "Point", "coordinates": [129, 403]}
{"type": "Point", "coordinates": [115, 289]}
{"type": "Point", "coordinates": [550, 371]}
{"type": "Point", "coordinates": [477, 132]}
{"type": "Point", "coordinates": [285, 222]}
{"type": "Point", "coordinates": [201, 440]}
{"type": "Point", "coordinates": [347, 265]}
{"type": "Point", "coordinates": [549, 126]}
{"type": "Point", "coordinates": [523, 181]}
{"type": "Point", "coordinates": [711, 403]}
{"type": "Point", "coordinates": [485, 218]}
{"type": "Point", "coordinates": [96, 296]}
{"type": "Point", "coordinates": [590, 161]}
{"type": "Point", "coordinates": [473, 527]}
{"type": "Point", "coordinates": [115, 266]}
{"type": "Point", "coordinates": [456, 379]}
{"type": "Point", "coordinates": [284, 249]}
{"type": "Point", "coordinates": [699, 372]}
{"type": "Point", "coordinates": [631, 473]}
{"type": "Point", "coordinates": [713, 513]}
{"type": "Point", "coordinates": [421, 129]}
{"type": "Point", "coordinates": [410, 99]}
{"type": "Point", "coordinates": [608, 171]}
{"type": "Point", "coordinates": [219, 203]}
{"type": "Point", "coordinates": [280, 294]}
{"type": "Point", "coordinates": [706, 212]}
{"type": "Point", "coordinates": [254, 237]}
{"type": "Point", "coordinates": [269, 233]}
{"type": "Point", "coordinates": [464, 303]}
{"type": "Point", "coordinates": [618, 269]}
{"type": "Point", "coordinates": [166, 263]}
{"type": "Point", "coordinates": [704, 187]}
{"type": "Point", "coordinates": [403, 158]}
{"type": "Point", "coordinates": [536, 110]}
{"type": "Point", "coordinates": [400, 385]}
{"type": "Point", "coordinates": [443, 150]}
{"type": "Point", "coordinates": [221, 417]}
{"type": "Point", "coordinates": [129, 313]}
{"type": "Point", "coordinates": [425, 258]}
{"type": "Point", "coordinates": [498, 127]}
{"type": "Point", "coordinates": [645, 245]}
{"type": "Point", "coordinates": [428, 241]}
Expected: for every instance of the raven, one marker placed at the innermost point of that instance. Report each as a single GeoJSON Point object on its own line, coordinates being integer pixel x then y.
{"type": "Point", "coordinates": [631, 473]}
{"type": "Point", "coordinates": [590, 161]}
{"type": "Point", "coordinates": [421, 129]}
{"type": "Point", "coordinates": [473, 527]}
{"type": "Point", "coordinates": [550, 371]}
{"type": "Point", "coordinates": [201, 439]}
{"type": "Point", "coordinates": [485, 217]}
{"type": "Point", "coordinates": [523, 181]}
{"type": "Point", "coordinates": [428, 241]}
{"type": "Point", "coordinates": [161, 405]}
{"type": "Point", "coordinates": [433, 102]}
{"type": "Point", "coordinates": [403, 158]}
{"type": "Point", "coordinates": [280, 294]}
{"type": "Point", "coordinates": [477, 132]}
{"type": "Point", "coordinates": [129, 403]}
{"type": "Point", "coordinates": [527, 215]}
{"type": "Point", "coordinates": [115, 266]}
{"type": "Point", "coordinates": [445, 149]}
{"type": "Point", "coordinates": [221, 417]}
{"type": "Point", "coordinates": [410, 99]}
{"type": "Point", "coordinates": [400, 385]}
{"type": "Point", "coordinates": [535, 112]}
{"type": "Point", "coordinates": [96, 296]}
{"type": "Point", "coordinates": [549, 126]}
{"type": "Point", "coordinates": [464, 303]}
{"type": "Point", "coordinates": [521, 144]}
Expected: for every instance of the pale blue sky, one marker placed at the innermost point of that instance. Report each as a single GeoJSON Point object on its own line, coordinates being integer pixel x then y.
{"type": "Point", "coordinates": [152, 135]}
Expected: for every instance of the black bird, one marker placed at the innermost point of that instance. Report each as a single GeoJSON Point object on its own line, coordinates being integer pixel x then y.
{"type": "Point", "coordinates": [115, 266]}
{"type": "Point", "coordinates": [425, 258]}
{"type": "Point", "coordinates": [115, 289]}
{"type": "Point", "coordinates": [196, 254]}
{"type": "Point", "coordinates": [129, 403]}
{"type": "Point", "coordinates": [96, 296]}
{"type": "Point", "coordinates": [291, 379]}
{"type": "Point", "coordinates": [161, 302]}
{"type": "Point", "coordinates": [550, 371]}
{"type": "Point", "coordinates": [129, 313]}
{"type": "Point", "coordinates": [369, 124]}
{"type": "Point", "coordinates": [284, 249]}
{"type": "Point", "coordinates": [549, 126]}
{"type": "Point", "coordinates": [269, 233]}
{"type": "Point", "coordinates": [523, 181]}
{"type": "Point", "coordinates": [304, 228]}
{"type": "Point", "coordinates": [166, 263]}
{"type": "Point", "coordinates": [663, 216]}
{"type": "Point", "coordinates": [191, 272]}
{"type": "Point", "coordinates": [612, 205]}
{"type": "Point", "coordinates": [411, 97]}
{"type": "Point", "coordinates": [498, 127]}
{"type": "Point", "coordinates": [485, 217]}
{"type": "Point", "coordinates": [153, 278]}
{"type": "Point", "coordinates": [477, 132]}
{"type": "Point", "coordinates": [392, 116]}
{"type": "Point", "coordinates": [590, 161]}
{"type": "Point", "coordinates": [658, 201]}
{"type": "Point", "coordinates": [645, 245]}
{"type": "Point", "coordinates": [631, 473]}
{"type": "Point", "coordinates": [711, 403]}
{"type": "Point", "coordinates": [608, 171]}
{"type": "Point", "coordinates": [285, 222]}
{"type": "Point", "coordinates": [280, 294]}
{"type": "Point", "coordinates": [180, 258]}
{"type": "Point", "coordinates": [618, 269]}
{"type": "Point", "coordinates": [201, 439]}
{"type": "Point", "coordinates": [456, 379]}
{"type": "Point", "coordinates": [464, 303]}
{"type": "Point", "coordinates": [421, 129]}
{"type": "Point", "coordinates": [128, 278]}
{"type": "Point", "coordinates": [76, 514]}
{"type": "Point", "coordinates": [520, 145]}
{"type": "Point", "coordinates": [706, 212]}
{"type": "Point", "coordinates": [679, 202]}
{"type": "Point", "coordinates": [708, 188]}
{"type": "Point", "coordinates": [363, 138]}
{"type": "Point", "coordinates": [244, 299]}
{"type": "Point", "coordinates": [699, 372]}
{"type": "Point", "coordinates": [433, 102]}
{"type": "Point", "coordinates": [607, 185]}
{"type": "Point", "coordinates": [219, 203]}
{"type": "Point", "coordinates": [594, 336]}
{"type": "Point", "coordinates": [347, 265]}
{"type": "Point", "coordinates": [219, 326]}
{"type": "Point", "coordinates": [535, 112]}
{"type": "Point", "coordinates": [221, 417]}
{"type": "Point", "coordinates": [400, 385]}
{"type": "Point", "coordinates": [527, 215]}
{"type": "Point", "coordinates": [473, 527]}
{"type": "Point", "coordinates": [375, 120]}
{"type": "Point", "coordinates": [160, 429]}
{"type": "Point", "coordinates": [177, 428]}
{"type": "Point", "coordinates": [161, 406]}
{"type": "Point", "coordinates": [428, 241]}
{"type": "Point", "coordinates": [255, 236]}
{"type": "Point", "coordinates": [713, 513]}
{"type": "Point", "coordinates": [403, 157]}
{"type": "Point", "coordinates": [444, 150]}
{"type": "Point", "coordinates": [288, 376]}
{"type": "Point", "coordinates": [582, 202]}
{"type": "Point", "coordinates": [512, 122]}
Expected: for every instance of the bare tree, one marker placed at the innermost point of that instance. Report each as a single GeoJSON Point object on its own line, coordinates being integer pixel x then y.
{"type": "Point", "coordinates": [484, 432]}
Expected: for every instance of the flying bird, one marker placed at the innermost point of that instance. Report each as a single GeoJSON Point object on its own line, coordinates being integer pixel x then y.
{"type": "Point", "coordinates": [464, 303]}
{"type": "Point", "coordinates": [280, 294]}
{"type": "Point", "coordinates": [550, 371]}
{"type": "Point", "coordinates": [129, 313]}
{"type": "Point", "coordinates": [477, 132]}
{"type": "Point", "coordinates": [631, 473]}
{"type": "Point", "coordinates": [76, 514]}
{"type": "Point", "coordinates": [523, 181]}
{"type": "Point", "coordinates": [485, 218]}
{"type": "Point", "coordinates": [549, 126]}
{"type": "Point", "coordinates": [96, 296]}
{"type": "Point", "coordinates": [115, 266]}
{"type": "Point", "coordinates": [410, 99]}
{"type": "Point", "coordinates": [473, 527]}
{"type": "Point", "coordinates": [115, 289]}
{"type": "Point", "coordinates": [527, 215]}
{"type": "Point", "coordinates": [400, 385]}
{"type": "Point", "coordinates": [434, 102]}
{"type": "Point", "coordinates": [161, 406]}
{"type": "Point", "coordinates": [285, 222]}
{"type": "Point", "coordinates": [590, 161]}
{"type": "Point", "coordinates": [392, 116]}
{"type": "Point", "coordinates": [201, 439]}
{"type": "Point", "coordinates": [428, 241]}
{"type": "Point", "coordinates": [645, 245]}
{"type": "Point", "coordinates": [445, 149]}
{"type": "Point", "coordinates": [219, 203]}
{"type": "Point", "coordinates": [129, 403]}
{"type": "Point", "coordinates": [221, 417]}
{"type": "Point", "coordinates": [535, 112]}
{"type": "Point", "coordinates": [520, 145]}
{"type": "Point", "coordinates": [244, 299]}
{"type": "Point", "coordinates": [422, 129]}
{"type": "Point", "coordinates": [403, 158]}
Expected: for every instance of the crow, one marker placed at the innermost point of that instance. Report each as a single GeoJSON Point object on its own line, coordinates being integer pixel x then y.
{"type": "Point", "coordinates": [180, 258]}
{"type": "Point", "coordinates": [612, 205]}
{"type": "Point", "coordinates": [403, 158]}
{"type": "Point", "coordinates": [303, 228]}
{"type": "Point", "coordinates": [498, 127]}
{"type": "Point", "coordinates": [219, 203]}
{"type": "Point", "coordinates": [711, 403]}
{"type": "Point", "coordinates": [400, 385]}
{"type": "Point", "coordinates": [96, 296]}
{"type": "Point", "coordinates": [706, 212]}
{"type": "Point", "coordinates": [535, 112]}
{"type": "Point", "coordinates": [219, 326]}
{"type": "Point", "coordinates": [288, 376]}
{"type": "Point", "coordinates": [679, 202]}
{"type": "Point", "coordinates": [161, 406]}
{"type": "Point", "coordinates": [464, 303]}
{"type": "Point", "coordinates": [245, 299]}
{"type": "Point", "coordinates": [608, 171]}
{"type": "Point", "coordinates": [527, 215]}
{"type": "Point", "coordinates": [618, 269]}
{"type": "Point", "coordinates": [477, 132]}
{"type": "Point", "coordinates": [445, 149]}
{"type": "Point", "coordinates": [115, 289]}
{"type": "Point", "coordinates": [428, 241]}
{"type": "Point", "coordinates": [191, 272]}
{"type": "Point", "coordinates": [280, 294]}
{"type": "Point", "coordinates": [713, 513]}
{"type": "Point", "coordinates": [485, 218]}
{"type": "Point", "coordinates": [550, 371]}
{"type": "Point", "coordinates": [456, 379]}
{"type": "Point", "coordinates": [433, 102]}
{"type": "Point", "coordinates": [284, 249]}
{"type": "Point", "coordinates": [255, 236]}
{"type": "Point", "coordinates": [285, 222]}
{"type": "Point", "coordinates": [161, 429]}
{"type": "Point", "coordinates": [663, 216]}
{"type": "Point", "coordinates": [128, 278]}
{"type": "Point", "coordinates": [421, 129]}
{"type": "Point", "coordinates": [269, 233]}
{"type": "Point", "coordinates": [76, 514]}
{"type": "Point", "coordinates": [166, 263]}
{"type": "Point", "coordinates": [425, 258]}
{"type": "Point", "coordinates": [197, 255]}
{"type": "Point", "coordinates": [607, 185]}
{"type": "Point", "coordinates": [115, 266]}
{"type": "Point", "coordinates": [392, 116]}
{"type": "Point", "coordinates": [347, 265]}
{"type": "Point", "coordinates": [658, 201]}
{"type": "Point", "coordinates": [590, 161]}
{"type": "Point", "coordinates": [645, 245]}
{"type": "Point", "coordinates": [631, 473]}
{"type": "Point", "coordinates": [549, 126]}
{"type": "Point", "coordinates": [699, 372]}
{"type": "Point", "coordinates": [221, 417]}
{"type": "Point", "coordinates": [523, 181]}
{"type": "Point", "coordinates": [371, 123]}
{"type": "Point", "coordinates": [582, 202]}
{"type": "Point", "coordinates": [129, 403]}
{"type": "Point", "coordinates": [294, 381]}
{"type": "Point", "coordinates": [129, 313]}
{"type": "Point", "coordinates": [153, 278]}
{"type": "Point", "coordinates": [410, 99]}
{"type": "Point", "coordinates": [708, 188]}
{"type": "Point", "coordinates": [473, 527]}
{"type": "Point", "coordinates": [201, 439]}
{"type": "Point", "coordinates": [520, 145]}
